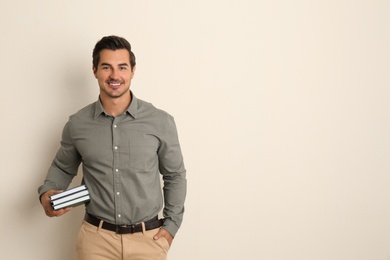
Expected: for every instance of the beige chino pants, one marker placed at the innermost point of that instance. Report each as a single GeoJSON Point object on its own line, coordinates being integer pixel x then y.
{"type": "Point", "coordinates": [95, 243]}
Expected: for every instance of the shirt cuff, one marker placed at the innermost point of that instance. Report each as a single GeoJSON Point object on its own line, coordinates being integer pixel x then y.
{"type": "Point", "coordinates": [170, 226]}
{"type": "Point", "coordinates": [46, 187]}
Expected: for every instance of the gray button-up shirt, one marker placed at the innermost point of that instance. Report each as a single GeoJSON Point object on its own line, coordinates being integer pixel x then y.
{"type": "Point", "coordinates": [122, 158]}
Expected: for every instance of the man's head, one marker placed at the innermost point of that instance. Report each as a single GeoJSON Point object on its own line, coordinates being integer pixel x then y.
{"type": "Point", "coordinates": [113, 67]}
{"type": "Point", "coordinates": [112, 43]}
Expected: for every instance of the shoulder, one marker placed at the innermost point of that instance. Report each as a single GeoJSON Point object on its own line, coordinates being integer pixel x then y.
{"type": "Point", "coordinates": [148, 109]}
{"type": "Point", "coordinates": [84, 114]}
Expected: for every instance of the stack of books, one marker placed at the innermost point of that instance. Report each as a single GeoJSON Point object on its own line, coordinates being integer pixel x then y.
{"type": "Point", "coordinates": [70, 198]}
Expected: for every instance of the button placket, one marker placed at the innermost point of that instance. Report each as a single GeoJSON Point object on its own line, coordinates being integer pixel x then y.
{"type": "Point", "coordinates": [116, 167]}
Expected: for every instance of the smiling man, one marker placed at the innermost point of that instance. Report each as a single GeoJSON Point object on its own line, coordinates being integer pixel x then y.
{"type": "Point", "coordinates": [124, 145]}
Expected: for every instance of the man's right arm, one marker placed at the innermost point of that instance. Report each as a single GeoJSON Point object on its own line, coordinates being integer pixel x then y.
{"type": "Point", "coordinates": [60, 173]}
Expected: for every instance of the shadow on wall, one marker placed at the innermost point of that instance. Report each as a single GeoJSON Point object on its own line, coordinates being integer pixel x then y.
{"type": "Point", "coordinates": [37, 232]}
{"type": "Point", "coordinates": [79, 85]}
{"type": "Point", "coordinates": [76, 88]}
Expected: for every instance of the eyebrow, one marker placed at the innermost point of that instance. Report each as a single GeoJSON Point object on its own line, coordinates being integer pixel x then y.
{"type": "Point", "coordinates": [119, 65]}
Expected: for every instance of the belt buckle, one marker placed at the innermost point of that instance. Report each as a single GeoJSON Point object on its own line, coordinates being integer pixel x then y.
{"type": "Point", "coordinates": [124, 229]}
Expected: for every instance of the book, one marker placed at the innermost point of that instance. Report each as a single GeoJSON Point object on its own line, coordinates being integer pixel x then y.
{"type": "Point", "coordinates": [70, 197]}
{"type": "Point", "coordinates": [68, 192]}
{"type": "Point", "coordinates": [72, 203]}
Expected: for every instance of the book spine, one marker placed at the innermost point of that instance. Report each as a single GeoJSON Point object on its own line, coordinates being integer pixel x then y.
{"type": "Point", "coordinates": [72, 203]}
{"type": "Point", "coordinates": [70, 197]}
{"type": "Point", "coordinates": [68, 192]}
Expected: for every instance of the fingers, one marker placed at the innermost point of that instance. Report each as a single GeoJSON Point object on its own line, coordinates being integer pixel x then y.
{"type": "Point", "coordinates": [56, 213]}
{"type": "Point", "coordinates": [46, 204]}
{"type": "Point", "coordinates": [61, 212]}
{"type": "Point", "coordinates": [164, 233]}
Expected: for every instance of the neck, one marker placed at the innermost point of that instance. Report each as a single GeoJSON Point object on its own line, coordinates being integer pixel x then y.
{"type": "Point", "coordinates": [115, 106]}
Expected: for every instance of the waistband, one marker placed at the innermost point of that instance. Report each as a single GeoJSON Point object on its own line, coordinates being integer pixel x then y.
{"type": "Point", "coordinates": [124, 229]}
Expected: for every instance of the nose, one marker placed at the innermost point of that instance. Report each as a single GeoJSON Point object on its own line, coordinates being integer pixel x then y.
{"type": "Point", "coordinates": [114, 74]}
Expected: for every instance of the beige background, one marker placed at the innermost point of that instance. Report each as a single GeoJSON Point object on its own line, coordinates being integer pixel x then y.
{"type": "Point", "coordinates": [282, 109]}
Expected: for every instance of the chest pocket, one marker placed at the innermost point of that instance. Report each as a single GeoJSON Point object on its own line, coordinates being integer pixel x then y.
{"type": "Point", "coordinates": [143, 153]}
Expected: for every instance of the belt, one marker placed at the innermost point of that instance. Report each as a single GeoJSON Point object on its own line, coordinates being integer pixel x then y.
{"type": "Point", "coordinates": [124, 229]}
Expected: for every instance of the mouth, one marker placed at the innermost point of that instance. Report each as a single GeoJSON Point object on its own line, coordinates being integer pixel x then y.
{"type": "Point", "coordinates": [114, 84]}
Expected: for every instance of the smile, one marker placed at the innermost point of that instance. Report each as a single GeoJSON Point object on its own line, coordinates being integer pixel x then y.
{"type": "Point", "coordinates": [114, 84]}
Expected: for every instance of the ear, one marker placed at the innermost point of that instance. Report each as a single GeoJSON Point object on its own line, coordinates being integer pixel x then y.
{"type": "Point", "coordinates": [94, 71]}
{"type": "Point", "coordinates": [133, 71]}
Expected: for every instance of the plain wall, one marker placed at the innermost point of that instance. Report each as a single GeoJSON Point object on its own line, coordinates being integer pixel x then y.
{"type": "Point", "coordinates": [282, 109]}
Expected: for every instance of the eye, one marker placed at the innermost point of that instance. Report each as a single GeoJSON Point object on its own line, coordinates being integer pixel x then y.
{"type": "Point", "coordinates": [123, 68]}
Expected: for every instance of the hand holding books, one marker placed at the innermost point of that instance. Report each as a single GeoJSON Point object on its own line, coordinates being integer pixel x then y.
{"type": "Point", "coordinates": [70, 198]}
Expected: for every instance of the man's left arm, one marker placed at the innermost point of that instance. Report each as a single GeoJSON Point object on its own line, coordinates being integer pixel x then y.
{"type": "Point", "coordinates": [174, 176]}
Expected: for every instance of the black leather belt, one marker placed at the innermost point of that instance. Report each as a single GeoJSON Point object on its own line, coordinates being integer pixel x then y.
{"type": "Point", "coordinates": [124, 229]}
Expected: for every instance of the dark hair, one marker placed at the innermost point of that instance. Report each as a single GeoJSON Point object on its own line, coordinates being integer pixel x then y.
{"type": "Point", "coordinates": [112, 43]}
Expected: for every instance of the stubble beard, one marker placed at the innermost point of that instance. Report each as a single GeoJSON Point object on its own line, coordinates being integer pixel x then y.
{"type": "Point", "coordinates": [114, 94]}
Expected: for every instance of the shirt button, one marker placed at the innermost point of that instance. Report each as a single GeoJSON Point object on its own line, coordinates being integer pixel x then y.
{"type": "Point", "coordinates": [119, 215]}
{"type": "Point", "coordinates": [116, 147]}
{"type": "Point", "coordinates": [114, 126]}
{"type": "Point", "coordinates": [116, 170]}
{"type": "Point", "coordinates": [118, 193]}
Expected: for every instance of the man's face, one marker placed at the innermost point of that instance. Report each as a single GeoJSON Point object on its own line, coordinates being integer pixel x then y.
{"type": "Point", "coordinates": [114, 73]}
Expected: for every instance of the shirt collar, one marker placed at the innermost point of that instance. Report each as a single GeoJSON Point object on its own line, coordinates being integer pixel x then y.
{"type": "Point", "coordinates": [131, 110]}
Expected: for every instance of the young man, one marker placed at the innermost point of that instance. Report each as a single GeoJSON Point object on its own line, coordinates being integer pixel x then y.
{"type": "Point", "coordinates": [124, 144]}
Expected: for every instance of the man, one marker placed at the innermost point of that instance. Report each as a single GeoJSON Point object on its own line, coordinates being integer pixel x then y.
{"type": "Point", "coordinates": [124, 144]}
